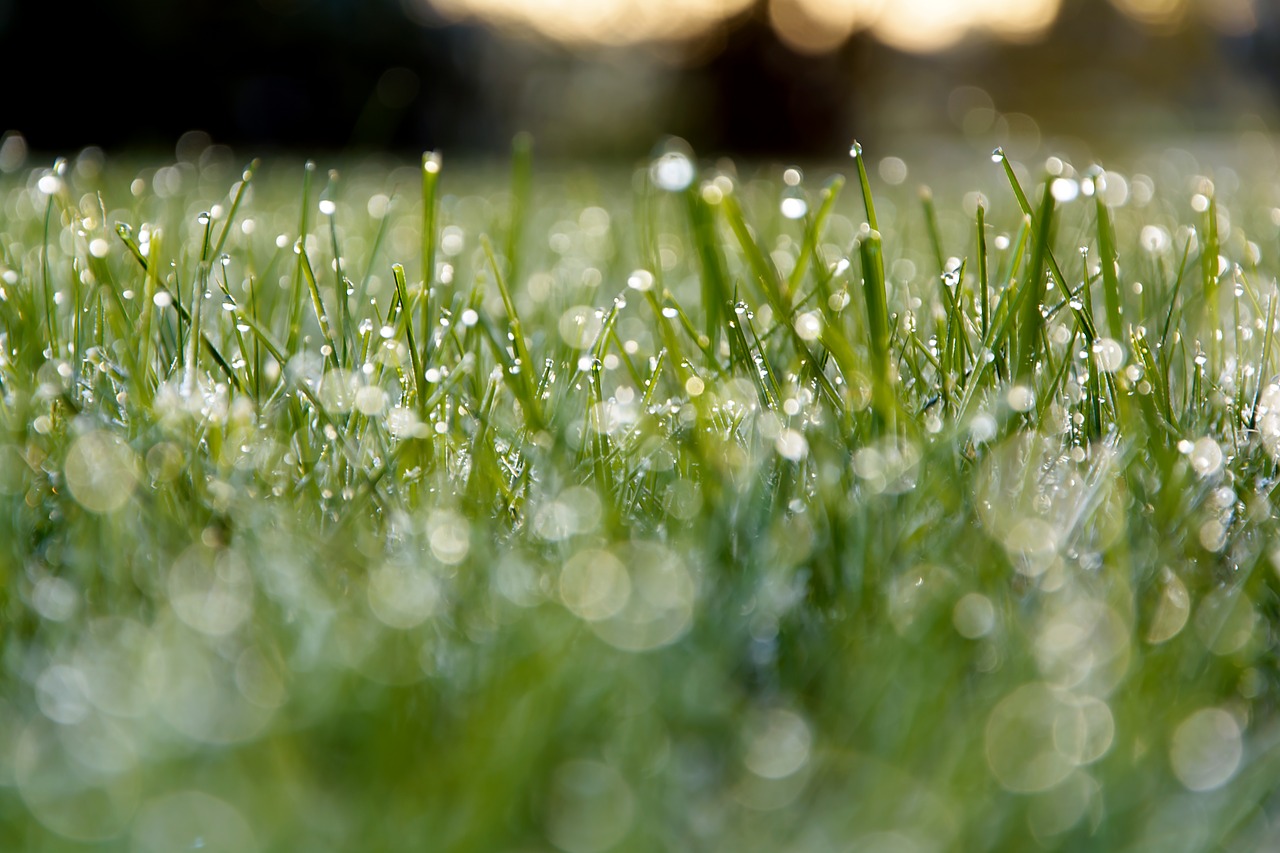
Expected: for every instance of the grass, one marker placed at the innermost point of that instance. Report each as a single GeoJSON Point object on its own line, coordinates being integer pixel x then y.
{"type": "Point", "coordinates": [405, 507]}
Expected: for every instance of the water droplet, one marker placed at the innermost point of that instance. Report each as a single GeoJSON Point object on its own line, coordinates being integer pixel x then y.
{"type": "Point", "coordinates": [794, 207]}
{"type": "Point", "coordinates": [672, 171]}
{"type": "Point", "coordinates": [1109, 353]}
{"type": "Point", "coordinates": [641, 280]}
{"type": "Point", "coordinates": [809, 325]}
{"type": "Point", "coordinates": [855, 150]}
{"type": "Point", "coordinates": [791, 444]}
{"type": "Point", "coordinates": [203, 218]}
{"type": "Point", "coordinates": [1064, 190]}
{"type": "Point", "coordinates": [1206, 457]}
{"type": "Point", "coordinates": [1021, 398]}
{"type": "Point", "coordinates": [997, 156]}
{"type": "Point", "coordinates": [327, 207]}
{"type": "Point", "coordinates": [1206, 750]}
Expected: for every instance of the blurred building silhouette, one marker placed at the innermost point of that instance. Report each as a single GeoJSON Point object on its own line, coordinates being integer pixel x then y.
{"type": "Point", "coordinates": [338, 74]}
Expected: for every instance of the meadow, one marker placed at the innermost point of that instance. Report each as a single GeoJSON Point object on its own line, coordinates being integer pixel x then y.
{"type": "Point", "coordinates": [695, 506]}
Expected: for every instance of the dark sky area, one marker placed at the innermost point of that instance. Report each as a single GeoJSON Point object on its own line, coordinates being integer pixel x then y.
{"type": "Point", "coordinates": [339, 74]}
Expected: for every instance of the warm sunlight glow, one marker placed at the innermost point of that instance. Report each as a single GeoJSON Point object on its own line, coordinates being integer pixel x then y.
{"type": "Point", "coordinates": [813, 26]}
{"type": "Point", "coordinates": [611, 22]}
{"type": "Point", "coordinates": [918, 26]}
{"type": "Point", "coordinates": [820, 26]}
{"type": "Point", "coordinates": [1230, 17]}
{"type": "Point", "coordinates": [1156, 13]}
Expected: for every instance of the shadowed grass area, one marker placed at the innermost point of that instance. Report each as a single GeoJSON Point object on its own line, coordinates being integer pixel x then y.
{"type": "Point", "coordinates": [672, 509]}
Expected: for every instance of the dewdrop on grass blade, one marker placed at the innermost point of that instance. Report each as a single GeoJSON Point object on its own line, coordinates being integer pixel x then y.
{"type": "Point", "coordinates": [1021, 398]}
{"type": "Point", "coordinates": [794, 207]}
{"type": "Point", "coordinates": [641, 280]}
{"type": "Point", "coordinates": [1064, 190]}
{"type": "Point", "coordinates": [672, 171]}
{"type": "Point", "coordinates": [1206, 456]}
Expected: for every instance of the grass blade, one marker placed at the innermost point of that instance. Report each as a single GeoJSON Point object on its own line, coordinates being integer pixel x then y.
{"type": "Point", "coordinates": [1031, 295]}
{"type": "Point", "coordinates": [1109, 261]}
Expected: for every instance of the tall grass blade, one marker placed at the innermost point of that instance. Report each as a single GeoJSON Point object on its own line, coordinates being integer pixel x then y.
{"type": "Point", "coordinates": [1031, 294]}
{"type": "Point", "coordinates": [1109, 261]}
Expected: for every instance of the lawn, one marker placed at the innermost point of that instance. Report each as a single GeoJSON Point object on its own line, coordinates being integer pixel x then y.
{"type": "Point", "coordinates": [689, 507]}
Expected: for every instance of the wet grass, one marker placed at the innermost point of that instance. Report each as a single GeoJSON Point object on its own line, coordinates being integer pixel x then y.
{"type": "Point", "coordinates": [677, 509]}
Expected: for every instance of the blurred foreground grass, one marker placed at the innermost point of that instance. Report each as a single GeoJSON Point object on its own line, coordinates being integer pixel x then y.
{"type": "Point", "coordinates": [676, 511]}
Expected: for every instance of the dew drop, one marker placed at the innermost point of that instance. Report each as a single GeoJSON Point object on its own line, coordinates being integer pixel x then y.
{"type": "Point", "coordinates": [794, 207]}
{"type": "Point", "coordinates": [672, 171]}
{"type": "Point", "coordinates": [641, 280]}
{"type": "Point", "coordinates": [1064, 190]}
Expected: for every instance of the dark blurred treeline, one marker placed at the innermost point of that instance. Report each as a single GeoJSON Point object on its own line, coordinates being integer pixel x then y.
{"type": "Point", "coordinates": [341, 74]}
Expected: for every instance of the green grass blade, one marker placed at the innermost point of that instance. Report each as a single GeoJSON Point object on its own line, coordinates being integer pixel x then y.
{"type": "Point", "coordinates": [246, 178]}
{"type": "Point", "coordinates": [869, 205]}
{"type": "Point", "coordinates": [984, 294]}
{"type": "Point", "coordinates": [419, 380]}
{"type": "Point", "coordinates": [526, 383]}
{"type": "Point", "coordinates": [714, 280]}
{"type": "Point", "coordinates": [431, 163]}
{"type": "Point", "coordinates": [877, 307]}
{"type": "Point", "coordinates": [814, 230]}
{"type": "Point", "coordinates": [1031, 296]}
{"type": "Point", "coordinates": [317, 306]}
{"type": "Point", "coordinates": [304, 220]}
{"type": "Point", "coordinates": [1109, 261]}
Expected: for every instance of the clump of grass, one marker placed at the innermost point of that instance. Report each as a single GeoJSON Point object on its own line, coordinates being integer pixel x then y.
{"type": "Point", "coordinates": [630, 511]}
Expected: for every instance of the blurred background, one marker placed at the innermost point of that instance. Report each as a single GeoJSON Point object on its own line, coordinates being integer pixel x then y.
{"type": "Point", "coordinates": [608, 78]}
